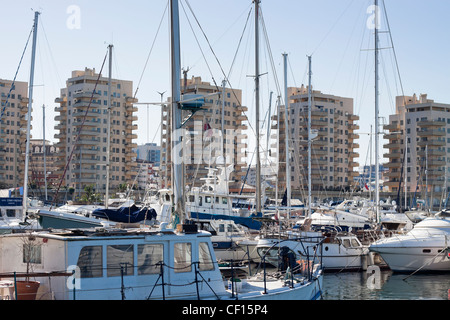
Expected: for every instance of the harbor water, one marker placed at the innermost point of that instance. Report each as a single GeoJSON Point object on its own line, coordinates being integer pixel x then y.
{"type": "Point", "coordinates": [385, 285]}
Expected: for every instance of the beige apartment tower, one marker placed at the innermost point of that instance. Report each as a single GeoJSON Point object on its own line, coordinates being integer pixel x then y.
{"type": "Point", "coordinates": [13, 133]}
{"type": "Point", "coordinates": [83, 136]}
{"type": "Point", "coordinates": [421, 127]}
{"type": "Point", "coordinates": [333, 150]}
{"type": "Point", "coordinates": [206, 126]}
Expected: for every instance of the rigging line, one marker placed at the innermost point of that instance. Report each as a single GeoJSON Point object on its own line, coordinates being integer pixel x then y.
{"type": "Point", "coordinates": [79, 132]}
{"type": "Point", "coordinates": [50, 51]}
{"type": "Point", "coordinates": [220, 66]}
{"type": "Point", "coordinates": [270, 53]}
{"type": "Point", "coordinates": [151, 50]}
{"type": "Point", "coordinates": [198, 43]}
{"type": "Point", "coordinates": [393, 50]}
{"type": "Point", "coordinates": [15, 76]}
{"type": "Point", "coordinates": [240, 42]}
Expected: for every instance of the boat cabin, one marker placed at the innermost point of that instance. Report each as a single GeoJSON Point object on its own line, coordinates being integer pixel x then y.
{"type": "Point", "coordinates": [116, 264]}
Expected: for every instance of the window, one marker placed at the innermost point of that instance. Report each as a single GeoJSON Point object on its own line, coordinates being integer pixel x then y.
{"type": "Point", "coordinates": [149, 255]}
{"type": "Point", "coordinates": [182, 257]}
{"type": "Point", "coordinates": [119, 258]}
{"type": "Point", "coordinates": [207, 199]}
{"type": "Point", "coordinates": [205, 258]}
{"type": "Point", "coordinates": [31, 252]}
{"type": "Point", "coordinates": [90, 262]}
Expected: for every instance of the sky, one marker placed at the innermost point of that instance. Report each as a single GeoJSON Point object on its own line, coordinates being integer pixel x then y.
{"type": "Point", "coordinates": [75, 34]}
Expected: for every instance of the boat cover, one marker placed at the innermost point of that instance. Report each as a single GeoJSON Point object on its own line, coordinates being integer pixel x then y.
{"type": "Point", "coordinates": [132, 214]}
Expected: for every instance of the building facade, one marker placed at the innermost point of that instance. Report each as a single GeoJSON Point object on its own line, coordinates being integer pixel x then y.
{"type": "Point", "coordinates": [334, 150]}
{"type": "Point", "coordinates": [421, 129]}
{"type": "Point", "coordinates": [39, 165]}
{"type": "Point", "coordinates": [206, 127]}
{"type": "Point", "coordinates": [13, 133]}
{"type": "Point", "coordinates": [83, 132]}
{"type": "Point", "coordinates": [149, 152]}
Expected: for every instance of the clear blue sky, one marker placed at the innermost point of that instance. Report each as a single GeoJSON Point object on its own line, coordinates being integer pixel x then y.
{"type": "Point", "coordinates": [333, 31]}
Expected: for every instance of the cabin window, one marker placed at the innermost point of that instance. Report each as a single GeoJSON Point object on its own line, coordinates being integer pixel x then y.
{"type": "Point", "coordinates": [355, 243]}
{"type": "Point", "coordinates": [10, 213]}
{"type": "Point", "coordinates": [207, 199]}
{"type": "Point", "coordinates": [205, 258]}
{"type": "Point", "coordinates": [90, 262]}
{"type": "Point", "coordinates": [120, 258]}
{"type": "Point", "coordinates": [221, 227]}
{"type": "Point", "coordinates": [149, 255]}
{"type": "Point", "coordinates": [200, 201]}
{"type": "Point", "coordinates": [191, 199]}
{"type": "Point", "coordinates": [182, 257]}
{"type": "Point", "coordinates": [217, 200]}
{"type": "Point", "coordinates": [346, 243]}
{"type": "Point", "coordinates": [224, 201]}
{"type": "Point", "coordinates": [426, 251]}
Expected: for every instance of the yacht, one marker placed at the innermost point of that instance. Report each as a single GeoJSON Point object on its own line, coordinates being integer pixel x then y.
{"type": "Point", "coordinates": [424, 248]}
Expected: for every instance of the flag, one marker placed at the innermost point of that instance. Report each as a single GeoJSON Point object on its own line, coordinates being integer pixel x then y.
{"type": "Point", "coordinates": [365, 185]}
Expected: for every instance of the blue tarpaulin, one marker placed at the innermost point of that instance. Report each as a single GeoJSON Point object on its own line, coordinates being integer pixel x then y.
{"type": "Point", "coordinates": [131, 214]}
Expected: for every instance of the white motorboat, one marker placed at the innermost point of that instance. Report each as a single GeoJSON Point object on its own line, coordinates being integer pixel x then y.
{"type": "Point", "coordinates": [340, 252]}
{"type": "Point", "coordinates": [424, 248]}
{"type": "Point", "coordinates": [138, 264]}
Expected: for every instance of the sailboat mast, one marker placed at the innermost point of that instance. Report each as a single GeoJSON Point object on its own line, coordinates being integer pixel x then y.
{"type": "Point", "coordinates": [377, 169]}
{"type": "Point", "coordinates": [286, 133]}
{"type": "Point", "coordinates": [309, 136]}
{"type": "Point", "coordinates": [108, 140]}
{"type": "Point", "coordinates": [30, 107]}
{"type": "Point", "coordinates": [45, 152]}
{"type": "Point", "coordinates": [177, 161]}
{"type": "Point", "coordinates": [258, 160]}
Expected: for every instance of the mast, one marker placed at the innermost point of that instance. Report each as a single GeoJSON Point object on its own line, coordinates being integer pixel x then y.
{"type": "Point", "coordinates": [406, 171]}
{"type": "Point", "coordinates": [309, 137]}
{"type": "Point", "coordinates": [258, 160]}
{"type": "Point", "coordinates": [177, 171]}
{"type": "Point", "coordinates": [286, 131]}
{"type": "Point", "coordinates": [377, 169]}
{"type": "Point", "coordinates": [30, 107]}
{"type": "Point", "coordinates": [108, 140]}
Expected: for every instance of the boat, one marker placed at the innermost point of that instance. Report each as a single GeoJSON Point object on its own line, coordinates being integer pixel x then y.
{"type": "Point", "coordinates": [231, 242]}
{"type": "Point", "coordinates": [138, 264]}
{"type": "Point", "coordinates": [11, 216]}
{"type": "Point", "coordinates": [213, 201]}
{"type": "Point", "coordinates": [341, 251]}
{"type": "Point", "coordinates": [425, 248]}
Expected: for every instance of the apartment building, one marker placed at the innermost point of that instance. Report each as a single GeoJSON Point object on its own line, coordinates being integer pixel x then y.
{"type": "Point", "coordinates": [41, 166]}
{"type": "Point", "coordinates": [149, 152]}
{"type": "Point", "coordinates": [83, 137]}
{"type": "Point", "coordinates": [206, 125]}
{"type": "Point", "coordinates": [421, 128]}
{"type": "Point", "coordinates": [13, 133]}
{"type": "Point", "coordinates": [333, 150]}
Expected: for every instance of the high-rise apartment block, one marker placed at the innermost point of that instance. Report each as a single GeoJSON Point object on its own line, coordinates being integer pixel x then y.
{"type": "Point", "coordinates": [83, 137]}
{"type": "Point", "coordinates": [333, 151]}
{"type": "Point", "coordinates": [205, 127]}
{"type": "Point", "coordinates": [422, 127]}
{"type": "Point", "coordinates": [13, 133]}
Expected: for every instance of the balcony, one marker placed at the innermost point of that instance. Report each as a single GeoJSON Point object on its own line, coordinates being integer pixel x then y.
{"type": "Point", "coordinates": [429, 133]}
{"type": "Point", "coordinates": [395, 127]}
{"type": "Point", "coordinates": [431, 123]}
{"type": "Point", "coordinates": [433, 142]}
